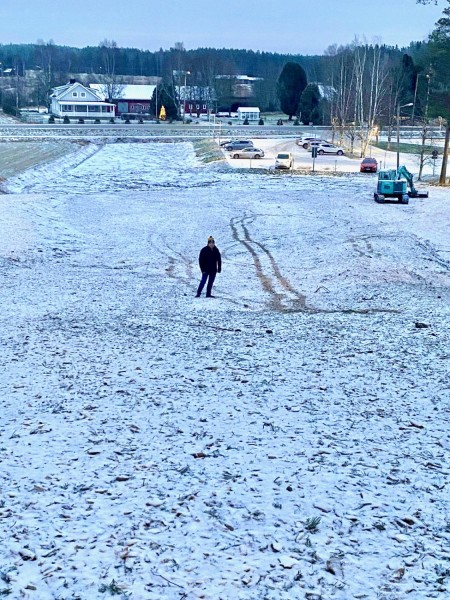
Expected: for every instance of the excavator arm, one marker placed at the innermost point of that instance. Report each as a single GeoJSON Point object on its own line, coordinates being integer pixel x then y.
{"type": "Point", "coordinates": [403, 173]}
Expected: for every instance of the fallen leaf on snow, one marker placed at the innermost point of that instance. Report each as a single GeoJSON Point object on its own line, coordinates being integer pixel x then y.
{"type": "Point", "coordinates": [276, 546]}
{"type": "Point", "coordinates": [287, 562]}
{"type": "Point", "coordinates": [27, 554]}
{"type": "Point", "coordinates": [335, 566]}
{"type": "Point", "coordinates": [398, 575]}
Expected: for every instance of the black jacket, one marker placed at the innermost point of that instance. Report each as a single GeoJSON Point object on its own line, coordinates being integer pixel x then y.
{"type": "Point", "coordinates": [210, 260]}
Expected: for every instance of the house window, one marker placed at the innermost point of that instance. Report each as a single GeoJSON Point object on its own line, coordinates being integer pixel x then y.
{"type": "Point", "coordinates": [81, 108]}
{"type": "Point", "coordinates": [204, 107]}
{"type": "Point", "coordinates": [75, 94]}
{"type": "Point", "coordinates": [83, 94]}
{"type": "Point", "coordinates": [66, 108]}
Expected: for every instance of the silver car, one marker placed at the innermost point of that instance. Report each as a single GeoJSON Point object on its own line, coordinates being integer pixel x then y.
{"type": "Point", "coordinates": [239, 145]}
{"type": "Point", "coordinates": [247, 153]}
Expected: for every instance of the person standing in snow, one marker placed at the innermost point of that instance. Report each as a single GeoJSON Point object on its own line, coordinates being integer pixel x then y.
{"type": "Point", "coordinates": [210, 263]}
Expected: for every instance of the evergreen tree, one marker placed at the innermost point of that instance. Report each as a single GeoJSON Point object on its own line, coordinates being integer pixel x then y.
{"type": "Point", "coordinates": [409, 79]}
{"type": "Point", "coordinates": [164, 95]}
{"type": "Point", "coordinates": [309, 105]}
{"type": "Point", "coordinates": [291, 83]}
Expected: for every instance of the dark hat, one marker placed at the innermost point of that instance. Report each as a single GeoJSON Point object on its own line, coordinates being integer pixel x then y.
{"type": "Point", "coordinates": [211, 239]}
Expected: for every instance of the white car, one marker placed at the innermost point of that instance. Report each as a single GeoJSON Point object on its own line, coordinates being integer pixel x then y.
{"type": "Point", "coordinates": [250, 152]}
{"type": "Point", "coordinates": [326, 148]}
{"type": "Point", "coordinates": [305, 142]}
{"type": "Point", "coordinates": [284, 160]}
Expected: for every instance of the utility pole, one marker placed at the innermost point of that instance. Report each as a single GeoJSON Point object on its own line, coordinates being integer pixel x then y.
{"type": "Point", "coordinates": [398, 129]}
{"type": "Point", "coordinates": [17, 88]}
{"type": "Point", "coordinates": [186, 73]}
{"type": "Point", "coordinates": [424, 128]}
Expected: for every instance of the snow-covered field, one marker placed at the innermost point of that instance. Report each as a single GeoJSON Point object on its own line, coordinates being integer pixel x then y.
{"type": "Point", "coordinates": [286, 440]}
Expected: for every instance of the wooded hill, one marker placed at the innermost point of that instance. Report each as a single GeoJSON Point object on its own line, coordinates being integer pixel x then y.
{"type": "Point", "coordinates": [204, 64]}
{"type": "Point", "coordinates": [52, 65]}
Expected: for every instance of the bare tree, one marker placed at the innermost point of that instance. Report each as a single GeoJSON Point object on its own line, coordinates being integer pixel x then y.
{"type": "Point", "coordinates": [374, 89]}
{"type": "Point", "coordinates": [45, 79]}
{"type": "Point", "coordinates": [342, 81]}
{"type": "Point", "coordinates": [108, 78]}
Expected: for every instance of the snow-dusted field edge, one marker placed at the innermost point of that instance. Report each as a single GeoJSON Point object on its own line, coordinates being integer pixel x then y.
{"type": "Point", "coordinates": [49, 170]}
{"type": "Point", "coordinates": [289, 439]}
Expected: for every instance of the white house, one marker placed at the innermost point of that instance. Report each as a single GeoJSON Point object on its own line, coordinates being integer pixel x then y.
{"type": "Point", "coordinates": [252, 113]}
{"type": "Point", "coordinates": [76, 101]}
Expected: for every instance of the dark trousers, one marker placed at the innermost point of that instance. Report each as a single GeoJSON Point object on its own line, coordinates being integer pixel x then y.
{"type": "Point", "coordinates": [206, 276]}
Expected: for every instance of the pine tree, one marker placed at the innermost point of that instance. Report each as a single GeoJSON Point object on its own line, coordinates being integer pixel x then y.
{"type": "Point", "coordinates": [309, 104]}
{"type": "Point", "coordinates": [164, 95]}
{"type": "Point", "coordinates": [291, 83]}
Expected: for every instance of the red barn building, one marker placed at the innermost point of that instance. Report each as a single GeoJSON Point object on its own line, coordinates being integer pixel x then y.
{"type": "Point", "coordinates": [129, 99]}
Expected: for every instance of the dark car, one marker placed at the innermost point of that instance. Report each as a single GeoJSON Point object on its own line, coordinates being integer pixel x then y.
{"type": "Point", "coordinates": [368, 165]}
{"type": "Point", "coordinates": [238, 145]}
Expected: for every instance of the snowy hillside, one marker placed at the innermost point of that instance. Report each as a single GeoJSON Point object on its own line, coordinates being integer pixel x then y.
{"type": "Point", "coordinates": [288, 439]}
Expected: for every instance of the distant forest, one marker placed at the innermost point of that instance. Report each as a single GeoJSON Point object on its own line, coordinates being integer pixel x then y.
{"type": "Point", "coordinates": [52, 65]}
{"type": "Point", "coordinates": [62, 60]}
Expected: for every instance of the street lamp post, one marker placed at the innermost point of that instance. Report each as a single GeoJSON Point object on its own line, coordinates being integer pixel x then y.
{"type": "Point", "coordinates": [186, 73]}
{"type": "Point", "coordinates": [398, 129]}
{"type": "Point", "coordinates": [427, 76]}
{"type": "Point", "coordinates": [415, 96]}
{"type": "Point", "coordinates": [425, 130]}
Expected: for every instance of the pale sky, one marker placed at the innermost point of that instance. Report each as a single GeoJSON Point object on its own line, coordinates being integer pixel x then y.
{"type": "Point", "coordinates": [285, 26]}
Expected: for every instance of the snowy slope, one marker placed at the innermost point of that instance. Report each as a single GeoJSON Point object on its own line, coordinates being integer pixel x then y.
{"type": "Point", "coordinates": [288, 439]}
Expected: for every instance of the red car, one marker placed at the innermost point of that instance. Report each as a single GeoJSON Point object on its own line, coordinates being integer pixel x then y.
{"type": "Point", "coordinates": [368, 165]}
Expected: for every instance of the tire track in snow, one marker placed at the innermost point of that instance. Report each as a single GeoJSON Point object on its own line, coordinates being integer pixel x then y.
{"type": "Point", "coordinates": [267, 269]}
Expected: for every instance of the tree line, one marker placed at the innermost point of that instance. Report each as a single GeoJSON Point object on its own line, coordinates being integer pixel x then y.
{"type": "Point", "coordinates": [52, 65]}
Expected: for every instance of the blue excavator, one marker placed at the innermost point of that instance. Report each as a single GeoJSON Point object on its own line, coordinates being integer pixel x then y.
{"type": "Point", "coordinates": [393, 185]}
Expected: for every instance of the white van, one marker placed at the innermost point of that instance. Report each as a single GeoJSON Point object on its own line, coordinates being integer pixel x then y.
{"type": "Point", "coordinates": [284, 160]}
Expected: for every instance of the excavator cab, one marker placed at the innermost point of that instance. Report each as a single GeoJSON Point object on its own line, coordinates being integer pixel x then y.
{"type": "Point", "coordinates": [393, 185]}
{"type": "Point", "coordinates": [391, 188]}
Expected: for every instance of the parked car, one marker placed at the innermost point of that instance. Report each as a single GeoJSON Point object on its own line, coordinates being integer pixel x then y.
{"type": "Point", "coordinates": [225, 143]}
{"type": "Point", "coordinates": [368, 165]}
{"type": "Point", "coordinates": [239, 145]}
{"type": "Point", "coordinates": [306, 141]}
{"type": "Point", "coordinates": [284, 160]}
{"type": "Point", "coordinates": [316, 142]}
{"type": "Point", "coordinates": [249, 152]}
{"type": "Point", "coordinates": [326, 148]}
